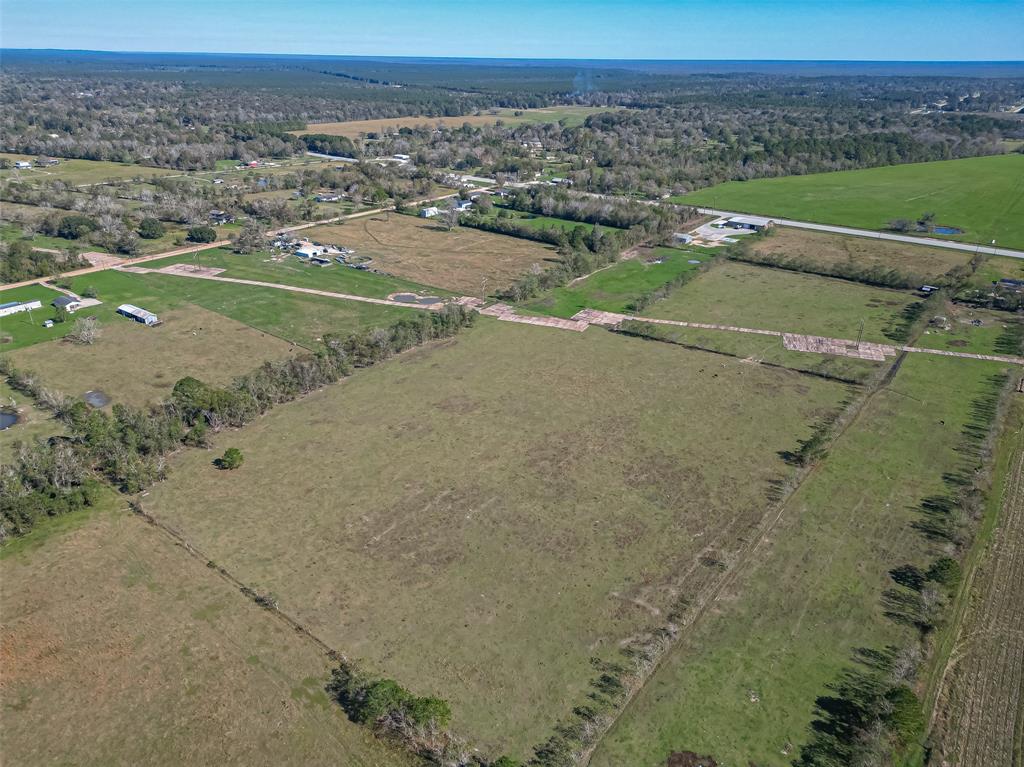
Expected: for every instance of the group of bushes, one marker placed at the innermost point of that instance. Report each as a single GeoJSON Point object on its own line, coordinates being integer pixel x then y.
{"type": "Point", "coordinates": [128, 445]}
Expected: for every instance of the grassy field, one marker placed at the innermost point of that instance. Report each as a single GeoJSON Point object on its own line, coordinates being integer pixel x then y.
{"type": "Point", "coordinates": [837, 250]}
{"type": "Point", "coordinates": [733, 293]}
{"type": "Point", "coordinates": [983, 196]}
{"type": "Point", "coordinates": [293, 271]}
{"type": "Point", "coordinates": [295, 317]}
{"type": "Point", "coordinates": [33, 423]}
{"type": "Point", "coordinates": [124, 649]}
{"type": "Point", "coordinates": [80, 171]}
{"type": "Point", "coordinates": [26, 328]}
{"type": "Point", "coordinates": [420, 250]}
{"type": "Point", "coordinates": [612, 289]}
{"type": "Point", "coordinates": [996, 268]}
{"type": "Point", "coordinates": [135, 364]}
{"type": "Point", "coordinates": [572, 115]}
{"type": "Point", "coordinates": [392, 548]}
{"type": "Point", "coordinates": [742, 682]}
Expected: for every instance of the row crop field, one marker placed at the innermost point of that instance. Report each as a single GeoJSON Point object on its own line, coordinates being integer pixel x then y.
{"type": "Point", "coordinates": [982, 196]}
{"type": "Point", "coordinates": [610, 517]}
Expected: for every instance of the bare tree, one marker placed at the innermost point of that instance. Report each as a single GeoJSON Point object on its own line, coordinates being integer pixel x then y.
{"type": "Point", "coordinates": [450, 216]}
{"type": "Point", "coordinates": [86, 331]}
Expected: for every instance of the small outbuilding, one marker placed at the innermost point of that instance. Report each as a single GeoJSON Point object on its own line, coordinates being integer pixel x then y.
{"type": "Point", "coordinates": [138, 314]}
{"type": "Point", "coordinates": [22, 165]}
{"type": "Point", "coordinates": [681, 238]}
{"type": "Point", "coordinates": [429, 212]}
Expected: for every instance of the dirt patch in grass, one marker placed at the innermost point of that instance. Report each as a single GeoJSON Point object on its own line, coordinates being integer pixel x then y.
{"type": "Point", "coordinates": [420, 250]}
{"type": "Point", "coordinates": [135, 364]}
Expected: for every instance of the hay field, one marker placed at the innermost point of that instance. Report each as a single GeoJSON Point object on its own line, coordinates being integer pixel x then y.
{"type": "Point", "coordinates": [734, 293]}
{"type": "Point", "coordinates": [81, 171]}
{"type": "Point", "coordinates": [479, 525]}
{"type": "Point", "coordinates": [742, 682]}
{"type": "Point", "coordinates": [122, 649]}
{"type": "Point", "coordinates": [573, 115]}
{"type": "Point", "coordinates": [135, 364]}
{"type": "Point", "coordinates": [420, 250]}
{"type": "Point", "coordinates": [836, 250]}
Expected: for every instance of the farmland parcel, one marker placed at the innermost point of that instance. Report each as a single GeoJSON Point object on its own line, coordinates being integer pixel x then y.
{"type": "Point", "coordinates": [611, 479]}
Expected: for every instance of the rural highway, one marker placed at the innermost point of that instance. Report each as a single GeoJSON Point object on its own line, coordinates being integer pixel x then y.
{"type": "Point", "coordinates": [965, 246]}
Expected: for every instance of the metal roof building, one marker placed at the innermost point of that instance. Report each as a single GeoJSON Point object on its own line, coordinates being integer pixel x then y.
{"type": "Point", "coordinates": [139, 315]}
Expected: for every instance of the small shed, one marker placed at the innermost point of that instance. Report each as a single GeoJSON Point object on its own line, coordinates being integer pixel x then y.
{"type": "Point", "coordinates": [429, 212]}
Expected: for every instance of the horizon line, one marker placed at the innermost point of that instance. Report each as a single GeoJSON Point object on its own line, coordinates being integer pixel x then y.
{"type": "Point", "coordinates": [512, 58]}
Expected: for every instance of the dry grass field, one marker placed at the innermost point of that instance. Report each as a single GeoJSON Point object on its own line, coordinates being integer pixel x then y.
{"type": "Point", "coordinates": [480, 518]}
{"type": "Point", "coordinates": [832, 250]}
{"type": "Point", "coordinates": [420, 250]}
{"type": "Point", "coordinates": [573, 115]}
{"type": "Point", "coordinates": [119, 648]}
{"type": "Point", "coordinates": [135, 364]}
{"type": "Point", "coordinates": [32, 423]}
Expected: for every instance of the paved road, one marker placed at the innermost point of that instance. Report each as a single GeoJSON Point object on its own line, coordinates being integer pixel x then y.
{"type": "Point", "coordinates": [965, 246]}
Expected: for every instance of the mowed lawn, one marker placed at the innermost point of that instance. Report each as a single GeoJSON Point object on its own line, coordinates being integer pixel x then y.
{"type": "Point", "coordinates": [462, 260]}
{"type": "Point", "coordinates": [121, 648]}
{"type": "Point", "coordinates": [735, 293]}
{"type": "Point", "coordinates": [480, 518]}
{"type": "Point", "coordinates": [983, 196]}
{"type": "Point", "coordinates": [296, 317]}
{"type": "Point", "coordinates": [135, 364]}
{"type": "Point", "coordinates": [614, 288]}
{"type": "Point", "coordinates": [741, 684]}
{"type": "Point", "coordinates": [831, 251]}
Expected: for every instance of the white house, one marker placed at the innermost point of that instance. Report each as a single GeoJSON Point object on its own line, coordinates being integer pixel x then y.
{"type": "Point", "coordinates": [463, 205]}
{"type": "Point", "coordinates": [70, 304]}
{"type": "Point", "coordinates": [429, 212]}
{"type": "Point", "coordinates": [14, 307]}
{"type": "Point", "coordinates": [22, 165]}
{"type": "Point", "coordinates": [309, 250]}
{"type": "Point", "coordinates": [751, 223]}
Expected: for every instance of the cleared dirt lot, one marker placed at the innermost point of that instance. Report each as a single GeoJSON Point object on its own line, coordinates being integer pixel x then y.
{"type": "Point", "coordinates": [420, 250]}
{"type": "Point", "coordinates": [119, 648]}
{"type": "Point", "coordinates": [135, 364]}
{"type": "Point", "coordinates": [480, 525]}
{"type": "Point", "coordinates": [830, 250]}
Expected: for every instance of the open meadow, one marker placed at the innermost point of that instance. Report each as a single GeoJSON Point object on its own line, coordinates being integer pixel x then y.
{"type": "Point", "coordinates": [572, 115]}
{"type": "Point", "coordinates": [33, 422]}
{"type": "Point", "coordinates": [734, 293]}
{"type": "Point", "coordinates": [80, 172]}
{"type": "Point", "coordinates": [982, 196]}
{"type": "Point", "coordinates": [134, 364]}
{"type": "Point", "coordinates": [125, 649]}
{"type": "Point", "coordinates": [612, 478]}
{"type": "Point", "coordinates": [831, 251]}
{"type": "Point", "coordinates": [741, 684]}
{"type": "Point", "coordinates": [421, 250]}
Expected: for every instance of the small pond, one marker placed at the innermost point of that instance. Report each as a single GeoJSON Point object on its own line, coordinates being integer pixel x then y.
{"type": "Point", "coordinates": [7, 419]}
{"type": "Point", "coordinates": [947, 230]}
{"type": "Point", "coordinates": [412, 298]}
{"type": "Point", "coordinates": [96, 398]}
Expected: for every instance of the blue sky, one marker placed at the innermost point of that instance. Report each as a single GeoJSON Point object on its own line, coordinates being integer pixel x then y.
{"type": "Point", "coordinates": [924, 30]}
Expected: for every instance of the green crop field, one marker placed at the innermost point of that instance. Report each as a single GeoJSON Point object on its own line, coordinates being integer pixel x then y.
{"type": "Point", "coordinates": [391, 548]}
{"type": "Point", "coordinates": [613, 289]}
{"type": "Point", "coordinates": [733, 293]}
{"type": "Point", "coordinates": [983, 196]}
{"type": "Point", "coordinates": [124, 649]}
{"type": "Point", "coordinates": [742, 683]}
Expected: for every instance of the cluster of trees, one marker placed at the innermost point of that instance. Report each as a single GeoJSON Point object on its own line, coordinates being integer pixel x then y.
{"type": "Point", "coordinates": [128, 446]}
{"type": "Point", "coordinates": [572, 263]}
{"type": "Point", "coordinates": [18, 261]}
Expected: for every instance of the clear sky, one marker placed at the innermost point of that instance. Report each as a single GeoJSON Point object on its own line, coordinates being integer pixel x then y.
{"type": "Point", "coordinates": [903, 30]}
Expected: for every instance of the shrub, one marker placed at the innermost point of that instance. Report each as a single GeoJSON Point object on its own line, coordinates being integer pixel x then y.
{"type": "Point", "coordinates": [150, 228]}
{"type": "Point", "coordinates": [231, 459]}
{"type": "Point", "coordinates": [944, 571]}
{"type": "Point", "coordinates": [202, 234]}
